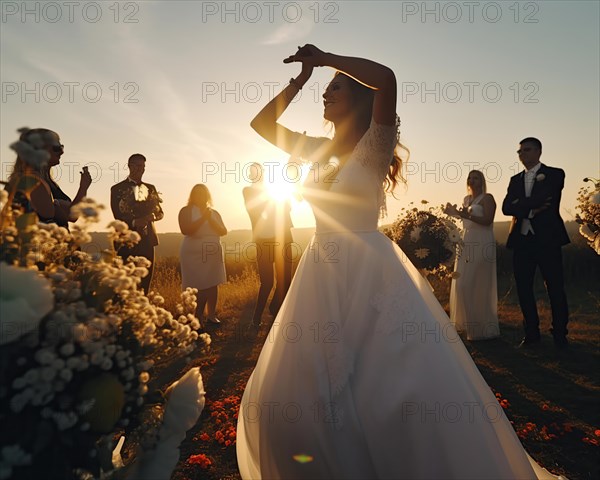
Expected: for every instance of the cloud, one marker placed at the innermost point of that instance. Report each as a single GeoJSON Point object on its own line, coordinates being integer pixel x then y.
{"type": "Point", "coordinates": [290, 32]}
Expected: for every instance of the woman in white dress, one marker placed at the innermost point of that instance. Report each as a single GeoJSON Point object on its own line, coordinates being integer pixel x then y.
{"type": "Point", "coordinates": [201, 254]}
{"type": "Point", "coordinates": [362, 375]}
{"type": "Point", "coordinates": [474, 292]}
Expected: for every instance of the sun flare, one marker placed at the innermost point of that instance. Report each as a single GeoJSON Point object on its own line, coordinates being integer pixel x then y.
{"type": "Point", "coordinates": [284, 184]}
{"type": "Point", "coordinates": [280, 190]}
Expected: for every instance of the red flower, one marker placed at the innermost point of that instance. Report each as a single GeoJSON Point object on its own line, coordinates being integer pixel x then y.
{"type": "Point", "coordinates": [205, 437]}
{"type": "Point", "coordinates": [568, 427]}
{"type": "Point", "coordinates": [597, 433]}
{"type": "Point", "coordinates": [201, 460]}
{"type": "Point", "coordinates": [590, 441]}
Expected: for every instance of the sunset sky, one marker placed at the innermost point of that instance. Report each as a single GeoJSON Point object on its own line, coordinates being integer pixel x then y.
{"type": "Point", "coordinates": [180, 81]}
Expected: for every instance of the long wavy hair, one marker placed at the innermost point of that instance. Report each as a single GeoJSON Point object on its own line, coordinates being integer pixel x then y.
{"type": "Point", "coordinates": [200, 196]}
{"type": "Point", "coordinates": [478, 173]}
{"type": "Point", "coordinates": [363, 98]}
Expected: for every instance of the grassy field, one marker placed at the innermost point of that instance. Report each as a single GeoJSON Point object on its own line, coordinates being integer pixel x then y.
{"type": "Point", "coordinates": [550, 396]}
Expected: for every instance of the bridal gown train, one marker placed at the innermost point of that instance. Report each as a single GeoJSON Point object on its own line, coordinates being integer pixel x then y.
{"type": "Point", "coordinates": [362, 375]}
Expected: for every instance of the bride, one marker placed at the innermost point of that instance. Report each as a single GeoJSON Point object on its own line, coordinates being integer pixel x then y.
{"type": "Point", "coordinates": [362, 375]}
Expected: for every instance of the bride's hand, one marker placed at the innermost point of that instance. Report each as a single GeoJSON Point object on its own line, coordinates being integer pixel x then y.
{"type": "Point", "coordinates": [309, 55]}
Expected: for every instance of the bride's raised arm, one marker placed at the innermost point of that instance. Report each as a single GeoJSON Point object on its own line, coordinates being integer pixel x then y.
{"type": "Point", "coordinates": [371, 74]}
{"type": "Point", "coordinates": [265, 123]}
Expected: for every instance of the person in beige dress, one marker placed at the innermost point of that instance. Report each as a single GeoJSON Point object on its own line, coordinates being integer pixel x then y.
{"type": "Point", "coordinates": [201, 254]}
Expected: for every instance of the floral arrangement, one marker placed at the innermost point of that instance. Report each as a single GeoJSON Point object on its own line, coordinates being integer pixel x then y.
{"type": "Point", "coordinates": [589, 220]}
{"type": "Point", "coordinates": [78, 341]}
{"type": "Point", "coordinates": [144, 201]}
{"type": "Point", "coordinates": [429, 238]}
{"type": "Point", "coordinates": [139, 201]}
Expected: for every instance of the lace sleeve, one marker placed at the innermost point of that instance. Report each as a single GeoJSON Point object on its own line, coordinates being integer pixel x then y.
{"type": "Point", "coordinates": [375, 151]}
{"type": "Point", "coordinates": [377, 148]}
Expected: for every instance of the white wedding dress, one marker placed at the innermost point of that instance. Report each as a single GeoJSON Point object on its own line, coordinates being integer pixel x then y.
{"type": "Point", "coordinates": [362, 375]}
{"type": "Point", "coordinates": [474, 293]}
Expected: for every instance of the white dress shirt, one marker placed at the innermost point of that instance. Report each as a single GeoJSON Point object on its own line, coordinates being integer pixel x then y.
{"type": "Point", "coordinates": [529, 175]}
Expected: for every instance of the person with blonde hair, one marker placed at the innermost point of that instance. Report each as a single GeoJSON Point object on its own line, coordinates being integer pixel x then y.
{"type": "Point", "coordinates": [38, 150]}
{"type": "Point", "coordinates": [359, 355]}
{"type": "Point", "coordinates": [474, 291]}
{"type": "Point", "coordinates": [201, 254]}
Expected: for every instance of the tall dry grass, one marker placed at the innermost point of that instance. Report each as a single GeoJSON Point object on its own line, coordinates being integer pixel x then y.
{"type": "Point", "coordinates": [236, 295]}
{"type": "Point", "coordinates": [581, 268]}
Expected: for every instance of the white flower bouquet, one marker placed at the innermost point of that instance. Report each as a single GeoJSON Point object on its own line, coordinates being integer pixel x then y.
{"type": "Point", "coordinates": [589, 219]}
{"type": "Point", "coordinates": [78, 341]}
{"type": "Point", "coordinates": [429, 238]}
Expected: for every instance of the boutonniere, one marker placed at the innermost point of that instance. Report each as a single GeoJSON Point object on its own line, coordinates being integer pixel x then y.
{"type": "Point", "coordinates": [540, 177]}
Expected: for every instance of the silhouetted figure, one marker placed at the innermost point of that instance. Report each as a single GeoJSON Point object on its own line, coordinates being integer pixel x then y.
{"type": "Point", "coordinates": [537, 234]}
{"type": "Point", "coordinates": [138, 204]}
{"type": "Point", "coordinates": [271, 232]}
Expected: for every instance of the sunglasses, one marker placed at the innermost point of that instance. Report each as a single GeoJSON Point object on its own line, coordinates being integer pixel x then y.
{"type": "Point", "coordinates": [58, 148]}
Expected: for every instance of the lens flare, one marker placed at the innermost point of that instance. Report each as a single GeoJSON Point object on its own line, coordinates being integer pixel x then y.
{"type": "Point", "coordinates": [303, 458]}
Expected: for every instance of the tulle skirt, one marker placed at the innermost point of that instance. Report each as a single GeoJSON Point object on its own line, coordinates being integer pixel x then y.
{"type": "Point", "coordinates": [363, 376]}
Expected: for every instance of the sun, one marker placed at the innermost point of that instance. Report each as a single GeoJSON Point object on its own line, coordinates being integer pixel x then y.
{"type": "Point", "coordinates": [280, 191]}
{"type": "Point", "coordinates": [283, 185]}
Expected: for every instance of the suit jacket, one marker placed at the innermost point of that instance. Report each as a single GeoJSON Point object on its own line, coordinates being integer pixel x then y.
{"type": "Point", "coordinates": [548, 225]}
{"type": "Point", "coordinates": [126, 207]}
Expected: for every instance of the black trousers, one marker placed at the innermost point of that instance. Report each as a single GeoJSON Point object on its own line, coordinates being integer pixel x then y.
{"type": "Point", "coordinates": [530, 254]}
{"type": "Point", "coordinates": [144, 248]}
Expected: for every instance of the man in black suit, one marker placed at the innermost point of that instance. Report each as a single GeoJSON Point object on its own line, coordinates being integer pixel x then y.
{"type": "Point", "coordinates": [537, 234]}
{"type": "Point", "coordinates": [138, 205]}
